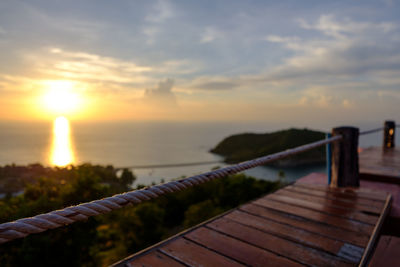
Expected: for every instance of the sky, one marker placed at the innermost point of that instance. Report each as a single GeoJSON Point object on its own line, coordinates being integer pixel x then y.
{"type": "Point", "coordinates": [286, 61]}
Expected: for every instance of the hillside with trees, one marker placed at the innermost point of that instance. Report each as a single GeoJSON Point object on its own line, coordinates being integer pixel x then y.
{"type": "Point", "coordinates": [246, 146]}
{"type": "Point", "coordinates": [105, 239]}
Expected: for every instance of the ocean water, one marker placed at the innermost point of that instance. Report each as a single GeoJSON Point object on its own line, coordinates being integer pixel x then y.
{"type": "Point", "coordinates": [125, 144]}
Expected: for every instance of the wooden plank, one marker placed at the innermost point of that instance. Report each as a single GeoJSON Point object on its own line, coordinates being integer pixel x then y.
{"type": "Point", "coordinates": [195, 255]}
{"type": "Point", "coordinates": [359, 191]}
{"type": "Point", "coordinates": [355, 238]}
{"type": "Point", "coordinates": [335, 211]}
{"type": "Point", "coordinates": [316, 216]}
{"type": "Point", "coordinates": [287, 231]}
{"type": "Point", "coordinates": [377, 164]}
{"type": "Point", "coordinates": [236, 249]}
{"type": "Point", "coordinates": [375, 233]}
{"type": "Point", "coordinates": [381, 170]}
{"type": "Point", "coordinates": [153, 259]}
{"type": "Point", "coordinates": [286, 248]}
{"type": "Point", "coordinates": [349, 192]}
{"type": "Point", "coordinates": [329, 201]}
{"type": "Point", "coordinates": [387, 252]}
{"type": "Point", "coordinates": [334, 195]}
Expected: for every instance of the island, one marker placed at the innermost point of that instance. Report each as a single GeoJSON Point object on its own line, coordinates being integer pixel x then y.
{"type": "Point", "coordinates": [246, 146]}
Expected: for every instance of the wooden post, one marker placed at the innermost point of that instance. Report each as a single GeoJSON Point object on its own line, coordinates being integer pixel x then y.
{"type": "Point", "coordinates": [345, 169]}
{"type": "Point", "coordinates": [389, 134]}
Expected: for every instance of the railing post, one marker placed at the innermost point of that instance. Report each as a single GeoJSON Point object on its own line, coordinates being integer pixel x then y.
{"type": "Point", "coordinates": [345, 169]}
{"type": "Point", "coordinates": [389, 134]}
{"type": "Point", "coordinates": [328, 149]}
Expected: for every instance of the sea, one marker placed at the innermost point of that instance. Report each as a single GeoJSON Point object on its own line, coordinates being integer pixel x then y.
{"type": "Point", "coordinates": [144, 146]}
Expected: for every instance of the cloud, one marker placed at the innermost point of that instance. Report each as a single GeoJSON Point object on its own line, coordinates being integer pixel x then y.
{"type": "Point", "coordinates": [344, 50]}
{"type": "Point", "coordinates": [328, 25]}
{"type": "Point", "coordinates": [161, 95]}
{"type": "Point", "coordinates": [179, 66]}
{"type": "Point", "coordinates": [280, 39]}
{"type": "Point", "coordinates": [162, 11]}
{"type": "Point", "coordinates": [347, 103]}
{"type": "Point", "coordinates": [389, 94]}
{"type": "Point", "coordinates": [2, 31]}
{"type": "Point", "coordinates": [98, 76]}
{"type": "Point", "coordinates": [14, 84]}
{"type": "Point", "coordinates": [210, 34]}
{"type": "Point", "coordinates": [317, 97]}
{"type": "Point", "coordinates": [389, 3]}
{"type": "Point", "coordinates": [210, 83]}
{"type": "Point", "coordinates": [86, 67]}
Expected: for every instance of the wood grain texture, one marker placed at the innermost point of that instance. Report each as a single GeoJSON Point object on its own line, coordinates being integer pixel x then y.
{"type": "Point", "coordinates": [236, 249]}
{"type": "Point", "coordinates": [380, 163]}
{"type": "Point", "coordinates": [334, 202]}
{"type": "Point", "coordinates": [195, 255]}
{"type": "Point", "coordinates": [281, 246]}
{"type": "Point", "coordinates": [337, 195]}
{"type": "Point", "coordinates": [153, 259]}
{"type": "Point", "coordinates": [328, 209]}
{"type": "Point", "coordinates": [316, 216]}
{"type": "Point", "coordinates": [287, 231]}
{"type": "Point", "coordinates": [349, 191]}
{"type": "Point", "coordinates": [326, 230]}
{"type": "Point", "coordinates": [387, 252]}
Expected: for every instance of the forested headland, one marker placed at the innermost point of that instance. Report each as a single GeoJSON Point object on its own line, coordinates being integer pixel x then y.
{"type": "Point", "coordinates": [246, 146]}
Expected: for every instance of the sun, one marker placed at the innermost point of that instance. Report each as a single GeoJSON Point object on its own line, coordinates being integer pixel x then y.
{"type": "Point", "coordinates": [61, 97]}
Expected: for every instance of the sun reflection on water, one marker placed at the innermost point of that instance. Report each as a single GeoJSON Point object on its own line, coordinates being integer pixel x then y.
{"type": "Point", "coordinates": [61, 152]}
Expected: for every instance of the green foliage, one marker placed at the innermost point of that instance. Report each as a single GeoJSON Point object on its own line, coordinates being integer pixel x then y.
{"type": "Point", "coordinates": [108, 238]}
{"type": "Point", "coordinates": [247, 146]}
{"type": "Point", "coordinates": [197, 212]}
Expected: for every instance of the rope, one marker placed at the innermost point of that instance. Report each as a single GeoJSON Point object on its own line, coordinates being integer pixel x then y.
{"type": "Point", "coordinates": [170, 165]}
{"type": "Point", "coordinates": [54, 219]}
{"type": "Point", "coordinates": [371, 131]}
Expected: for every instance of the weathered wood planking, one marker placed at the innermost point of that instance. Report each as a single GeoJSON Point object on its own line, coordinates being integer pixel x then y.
{"type": "Point", "coordinates": [377, 163]}
{"type": "Point", "coordinates": [300, 225]}
{"type": "Point", "coordinates": [387, 252]}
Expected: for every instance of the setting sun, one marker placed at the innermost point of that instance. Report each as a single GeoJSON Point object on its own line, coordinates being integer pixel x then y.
{"type": "Point", "coordinates": [61, 97]}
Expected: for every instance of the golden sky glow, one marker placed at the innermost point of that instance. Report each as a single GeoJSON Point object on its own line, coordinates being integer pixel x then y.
{"type": "Point", "coordinates": [253, 64]}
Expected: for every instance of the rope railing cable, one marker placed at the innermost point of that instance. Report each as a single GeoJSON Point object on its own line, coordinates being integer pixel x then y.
{"type": "Point", "coordinates": [371, 131]}
{"type": "Point", "coordinates": [54, 219]}
{"type": "Point", "coordinates": [157, 166]}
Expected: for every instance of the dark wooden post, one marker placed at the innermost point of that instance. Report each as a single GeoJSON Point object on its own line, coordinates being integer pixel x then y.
{"type": "Point", "coordinates": [389, 134]}
{"type": "Point", "coordinates": [345, 170]}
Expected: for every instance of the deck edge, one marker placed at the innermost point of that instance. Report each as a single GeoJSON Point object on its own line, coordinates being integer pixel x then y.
{"type": "Point", "coordinates": [374, 237]}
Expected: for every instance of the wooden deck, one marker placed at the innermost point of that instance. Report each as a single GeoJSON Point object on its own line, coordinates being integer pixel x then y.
{"type": "Point", "coordinates": [377, 163]}
{"type": "Point", "coordinates": [301, 224]}
{"type": "Point", "coordinates": [387, 252]}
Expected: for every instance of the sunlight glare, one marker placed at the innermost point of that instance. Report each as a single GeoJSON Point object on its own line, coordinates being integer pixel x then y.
{"type": "Point", "coordinates": [61, 97]}
{"type": "Point", "coordinates": [62, 153]}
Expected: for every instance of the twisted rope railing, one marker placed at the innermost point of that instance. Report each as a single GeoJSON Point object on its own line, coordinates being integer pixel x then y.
{"type": "Point", "coordinates": [54, 219]}
{"type": "Point", "coordinates": [371, 131]}
{"type": "Point", "coordinates": [172, 165]}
